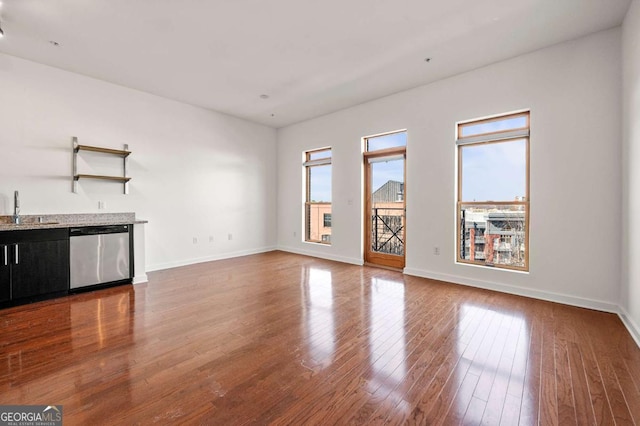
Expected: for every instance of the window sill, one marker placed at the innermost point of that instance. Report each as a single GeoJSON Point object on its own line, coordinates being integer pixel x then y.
{"type": "Point", "coordinates": [317, 244]}
{"type": "Point", "coordinates": [493, 268]}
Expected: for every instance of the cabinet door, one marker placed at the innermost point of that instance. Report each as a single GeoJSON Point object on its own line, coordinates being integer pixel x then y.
{"type": "Point", "coordinates": [5, 274]}
{"type": "Point", "coordinates": [40, 268]}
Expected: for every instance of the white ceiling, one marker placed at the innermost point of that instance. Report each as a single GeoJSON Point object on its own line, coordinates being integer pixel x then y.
{"type": "Point", "coordinates": [311, 57]}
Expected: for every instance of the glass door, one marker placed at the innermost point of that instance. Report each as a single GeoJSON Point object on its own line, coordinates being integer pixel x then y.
{"type": "Point", "coordinates": [385, 208]}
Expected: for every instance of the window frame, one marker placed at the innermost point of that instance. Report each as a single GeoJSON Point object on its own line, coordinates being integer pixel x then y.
{"type": "Point", "coordinates": [461, 125]}
{"type": "Point", "coordinates": [308, 165]}
{"type": "Point", "coordinates": [501, 136]}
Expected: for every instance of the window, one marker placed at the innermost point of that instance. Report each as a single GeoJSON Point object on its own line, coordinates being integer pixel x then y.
{"type": "Point", "coordinates": [387, 141]}
{"type": "Point", "coordinates": [493, 192]}
{"type": "Point", "coordinates": [317, 167]}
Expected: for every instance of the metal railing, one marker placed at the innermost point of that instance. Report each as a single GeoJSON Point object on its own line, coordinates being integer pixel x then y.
{"type": "Point", "coordinates": [387, 230]}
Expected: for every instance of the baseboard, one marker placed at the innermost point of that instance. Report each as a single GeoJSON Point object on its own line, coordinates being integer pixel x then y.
{"type": "Point", "coordinates": [341, 259]}
{"type": "Point", "coordinates": [222, 256]}
{"type": "Point", "coordinates": [139, 279]}
{"type": "Point", "coordinates": [519, 291]}
{"type": "Point", "coordinates": [631, 325]}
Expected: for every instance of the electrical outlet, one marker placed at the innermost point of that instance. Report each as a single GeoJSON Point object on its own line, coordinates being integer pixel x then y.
{"type": "Point", "coordinates": [101, 205]}
{"type": "Point", "coordinates": [210, 238]}
{"type": "Point", "coordinates": [230, 237]}
{"type": "Point", "coordinates": [436, 251]}
{"type": "Point", "coordinates": [195, 240]}
{"type": "Point", "coordinates": [295, 234]}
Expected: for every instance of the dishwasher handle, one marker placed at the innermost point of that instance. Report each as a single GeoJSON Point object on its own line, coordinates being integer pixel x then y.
{"type": "Point", "coordinates": [98, 230]}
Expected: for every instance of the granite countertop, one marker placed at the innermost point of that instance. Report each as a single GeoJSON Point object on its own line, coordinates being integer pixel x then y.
{"type": "Point", "coordinates": [52, 221]}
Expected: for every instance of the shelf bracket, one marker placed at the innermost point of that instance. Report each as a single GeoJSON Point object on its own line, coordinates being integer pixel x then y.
{"type": "Point", "coordinates": [125, 160]}
{"type": "Point", "coordinates": [74, 146]}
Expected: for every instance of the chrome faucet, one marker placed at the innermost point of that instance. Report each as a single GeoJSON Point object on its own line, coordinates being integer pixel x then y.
{"type": "Point", "coordinates": [16, 207]}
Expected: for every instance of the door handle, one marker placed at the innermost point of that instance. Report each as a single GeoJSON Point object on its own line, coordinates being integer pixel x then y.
{"type": "Point", "coordinates": [17, 253]}
{"type": "Point", "coordinates": [6, 256]}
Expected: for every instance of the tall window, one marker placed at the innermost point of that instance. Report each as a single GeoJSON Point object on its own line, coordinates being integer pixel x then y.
{"type": "Point", "coordinates": [493, 192]}
{"type": "Point", "coordinates": [317, 166]}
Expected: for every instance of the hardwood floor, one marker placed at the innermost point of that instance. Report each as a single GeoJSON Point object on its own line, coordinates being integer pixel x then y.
{"type": "Point", "coordinates": [286, 339]}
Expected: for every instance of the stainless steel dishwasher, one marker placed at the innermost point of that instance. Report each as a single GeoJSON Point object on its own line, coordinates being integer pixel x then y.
{"type": "Point", "coordinates": [100, 255]}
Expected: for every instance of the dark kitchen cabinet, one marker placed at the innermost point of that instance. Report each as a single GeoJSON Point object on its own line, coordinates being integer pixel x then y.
{"type": "Point", "coordinates": [38, 263]}
{"type": "Point", "coordinates": [5, 274]}
{"type": "Point", "coordinates": [42, 268]}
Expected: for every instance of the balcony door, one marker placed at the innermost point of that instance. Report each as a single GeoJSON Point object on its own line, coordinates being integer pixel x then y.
{"type": "Point", "coordinates": [385, 222]}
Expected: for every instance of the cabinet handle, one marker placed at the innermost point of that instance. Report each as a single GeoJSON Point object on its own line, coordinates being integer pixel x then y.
{"type": "Point", "coordinates": [6, 256]}
{"type": "Point", "coordinates": [17, 254]}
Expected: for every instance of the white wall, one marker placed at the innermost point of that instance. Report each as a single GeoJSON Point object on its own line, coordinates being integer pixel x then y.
{"type": "Point", "coordinates": [630, 293]}
{"type": "Point", "coordinates": [195, 173]}
{"type": "Point", "coordinates": [574, 93]}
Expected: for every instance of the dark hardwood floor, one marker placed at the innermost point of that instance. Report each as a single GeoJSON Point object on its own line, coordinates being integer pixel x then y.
{"type": "Point", "coordinates": [287, 339]}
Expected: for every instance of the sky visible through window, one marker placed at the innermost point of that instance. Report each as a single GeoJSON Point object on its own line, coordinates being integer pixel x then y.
{"type": "Point", "coordinates": [494, 171]}
{"type": "Point", "coordinates": [392, 140]}
{"type": "Point", "coordinates": [519, 122]}
{"type": "Point", "coordinates": [384, 171]}
{"type": "Point", "coordinates": [320, 188]}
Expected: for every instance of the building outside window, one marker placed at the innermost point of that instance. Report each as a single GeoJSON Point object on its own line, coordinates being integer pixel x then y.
{"type": "Point", "coordinates": [317, 167]}
{"type": "Point", "coordinates": [493, 192]}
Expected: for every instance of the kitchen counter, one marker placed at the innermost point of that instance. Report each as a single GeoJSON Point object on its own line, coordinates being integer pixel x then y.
{"type": "Point", "coordinates": [52, 221]}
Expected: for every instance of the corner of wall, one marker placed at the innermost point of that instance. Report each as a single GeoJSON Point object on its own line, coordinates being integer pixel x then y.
{"type": "Point", "coordinates": [630, 242]}
{"type": "Point", "coordinates": [630, 324]}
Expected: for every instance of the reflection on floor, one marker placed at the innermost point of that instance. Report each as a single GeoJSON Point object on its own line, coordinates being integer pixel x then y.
{"type": "Point", "coordinates": [290, 339]}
